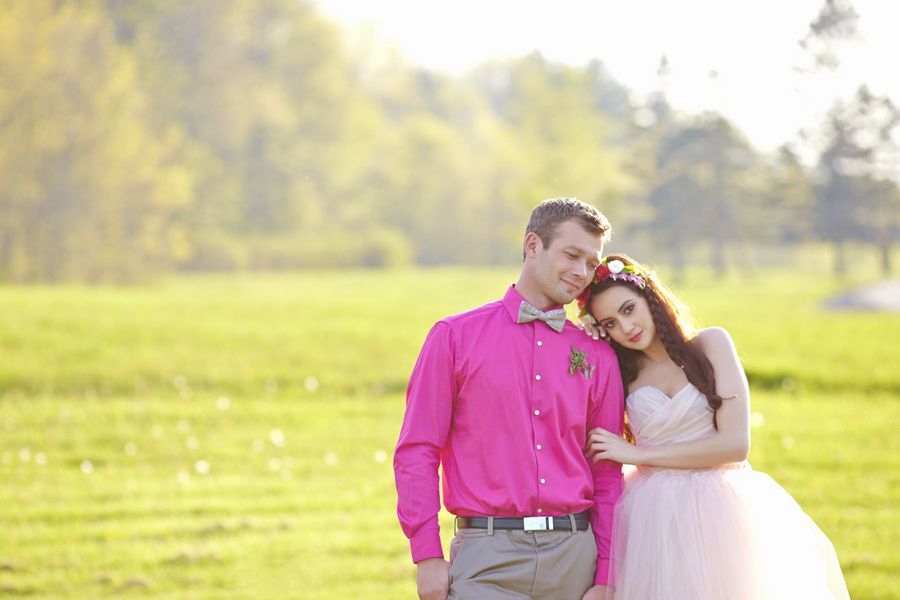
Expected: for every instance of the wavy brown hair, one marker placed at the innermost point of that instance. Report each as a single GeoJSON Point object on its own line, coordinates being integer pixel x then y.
{"type": "Point", "coordinates": [673, 328]}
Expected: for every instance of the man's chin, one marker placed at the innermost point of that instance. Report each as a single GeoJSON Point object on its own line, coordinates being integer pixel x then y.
{"type": "Point", "coordinates": [565, 297]}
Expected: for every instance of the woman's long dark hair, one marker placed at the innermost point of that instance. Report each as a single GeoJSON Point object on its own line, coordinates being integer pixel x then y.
{"type": "Point", "coordinates": [673, 329]}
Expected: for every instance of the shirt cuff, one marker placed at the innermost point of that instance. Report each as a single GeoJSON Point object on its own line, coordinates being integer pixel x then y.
{"type": "Point", "coordinates": [426, 545]}
{"type": "Point", "coordinates": [602, 575]}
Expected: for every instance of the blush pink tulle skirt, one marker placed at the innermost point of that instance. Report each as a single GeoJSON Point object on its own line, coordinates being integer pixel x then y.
{"type": "Point", "coordinates": [718, 534]}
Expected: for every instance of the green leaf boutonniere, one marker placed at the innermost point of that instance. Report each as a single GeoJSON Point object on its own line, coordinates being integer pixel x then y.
{"type": "Point", "coordinates": [578, 361]}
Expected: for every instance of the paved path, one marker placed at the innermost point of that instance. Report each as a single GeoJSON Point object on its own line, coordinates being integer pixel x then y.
{"type": "Point", "coordinates": [882, 296]}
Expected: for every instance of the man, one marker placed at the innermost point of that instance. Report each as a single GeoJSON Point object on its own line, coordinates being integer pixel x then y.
{"type": "Point", "coordinates": [502, 397]}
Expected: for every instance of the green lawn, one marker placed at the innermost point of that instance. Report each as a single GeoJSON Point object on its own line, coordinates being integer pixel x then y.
{"type": "Point", "coordinates": [231, 436]}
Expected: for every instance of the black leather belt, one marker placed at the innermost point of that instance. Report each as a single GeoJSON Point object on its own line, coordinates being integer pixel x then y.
{"type": "Point", "coordinates": [582, 521]}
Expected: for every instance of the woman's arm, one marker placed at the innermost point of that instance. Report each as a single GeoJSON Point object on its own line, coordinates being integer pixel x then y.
{"type": "Point", "coordinates": [731, 443]}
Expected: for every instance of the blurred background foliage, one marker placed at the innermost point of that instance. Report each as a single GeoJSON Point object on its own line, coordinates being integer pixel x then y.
{"type": "Point", "coordinates": [143, 138]}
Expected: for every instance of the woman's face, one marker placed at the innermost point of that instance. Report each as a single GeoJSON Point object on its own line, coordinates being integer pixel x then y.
{"type": "Point", "coordinates": [625, 316]}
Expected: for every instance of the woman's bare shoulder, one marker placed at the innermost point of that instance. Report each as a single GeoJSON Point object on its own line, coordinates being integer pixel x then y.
{"type": "Point", "coordinates": [715, 341]}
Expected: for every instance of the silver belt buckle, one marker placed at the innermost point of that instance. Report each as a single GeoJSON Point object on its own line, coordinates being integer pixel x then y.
{"type": "Point", "coordinates": [537, 523]}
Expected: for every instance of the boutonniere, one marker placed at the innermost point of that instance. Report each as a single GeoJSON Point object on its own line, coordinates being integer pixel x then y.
{"type": "Point", "coordinates": [578, 362]}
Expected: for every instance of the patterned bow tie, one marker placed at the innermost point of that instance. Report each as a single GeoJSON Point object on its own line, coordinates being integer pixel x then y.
{"type": "Point", "coordinates": [555, 318]}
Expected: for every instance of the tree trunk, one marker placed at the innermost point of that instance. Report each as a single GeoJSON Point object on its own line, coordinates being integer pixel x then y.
{"type": "Point", "coordinates": [5, 249]}
{"type": "Point", "coordinates": [678, 261]}
{"type": "Point", "coordinates": [885, 248]}
{"type": "Point", "coordinates": [717, 259]}
{"type": "Point", "coordinates": [840, 259]}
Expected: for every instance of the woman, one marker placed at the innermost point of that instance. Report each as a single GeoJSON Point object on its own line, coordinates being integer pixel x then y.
{"type": "Point", "coordinates": [695, 522]}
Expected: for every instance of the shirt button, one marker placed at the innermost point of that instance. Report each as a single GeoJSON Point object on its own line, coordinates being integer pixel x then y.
{"type": "Point", "coordinates": [543, 480]}
{"type": "Point", "coordinates": [538, 446]}
{"type": "Point", "coordinates": [538, 377]}
{"type": "Point", "coordinates": [537, 412]}
{"type": "Point", "coordinates": [540, 343]}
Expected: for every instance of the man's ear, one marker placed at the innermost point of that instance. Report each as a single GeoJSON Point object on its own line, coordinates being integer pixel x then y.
{"type": "Point", "coordinates": [532, 244]}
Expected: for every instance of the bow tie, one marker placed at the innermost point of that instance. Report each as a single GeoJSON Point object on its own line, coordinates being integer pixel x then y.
{"type": "Point", "coordinates": [555, 318]}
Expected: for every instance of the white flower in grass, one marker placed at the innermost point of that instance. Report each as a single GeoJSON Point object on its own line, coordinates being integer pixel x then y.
{"type": "Point", "coordinates": [25, 455]}
{"type": "Point", "coordinates": [380, 456]}
{"type": "Point", "coordinates": [223, 403]}
{"type": "Point", "coordinates": [615, 266]}
{"type": "Point", "coordinates": [311, 384]}
{"type": "Point", "coordinates": [757, 419]}
{"type": "Point", "coordinates": [787, 442]}
{"type": "Point", "coordinates": [40, 458]}
{"type": "Point", "coordinates": [202, 467]}
{"type": "Point", "coordinates": [277, 437]}
{"type": "Point", "coordinates": [331, 459]}
{"type": "Point", "coordinates": [181, 384]}
{"type": "Point", "coordinates": [87, 467]}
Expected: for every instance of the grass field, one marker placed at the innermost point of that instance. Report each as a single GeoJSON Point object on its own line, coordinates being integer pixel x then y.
{"type": "Point", "coordinates": [231, 436]}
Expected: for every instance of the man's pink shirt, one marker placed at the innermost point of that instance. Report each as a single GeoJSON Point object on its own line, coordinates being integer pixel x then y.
{"type": "Point", "coordinates": [492, 401]}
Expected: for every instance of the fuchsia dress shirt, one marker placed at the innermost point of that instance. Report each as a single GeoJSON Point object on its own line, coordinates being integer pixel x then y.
{"type": "Point", "coordinates": [493, 403]}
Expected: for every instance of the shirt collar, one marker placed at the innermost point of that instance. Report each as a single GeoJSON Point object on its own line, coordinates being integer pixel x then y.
{"type": "Point", "coordinates": [513, 298]}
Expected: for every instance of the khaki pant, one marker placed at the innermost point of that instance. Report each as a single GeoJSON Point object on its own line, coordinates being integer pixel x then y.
{"type": "Point", "coordinates": [552, 565]}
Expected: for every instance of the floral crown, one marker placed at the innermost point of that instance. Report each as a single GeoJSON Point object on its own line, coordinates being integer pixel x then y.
{"type": "Point", "coordinates": [611, 269]}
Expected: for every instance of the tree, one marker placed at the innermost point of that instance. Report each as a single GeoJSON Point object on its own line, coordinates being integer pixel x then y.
{"type": "Point", "coordinates": [90, 191]}
{"type": "Point", "coordinates": [788, 199]}
{"type": "Point", "coordinates": [858, 149]}
{"type": "Point", "coordinates": [557, 137]}
{"type": "Point", "coordinates": [835, 24]}
{"type": "Point", "coordinates": [703, 189]}
{"type": "Point", "coordinates": [857, 198]}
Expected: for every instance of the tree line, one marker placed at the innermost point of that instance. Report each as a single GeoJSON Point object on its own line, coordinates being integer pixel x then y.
{"type": "Point", "coordinates": [140, 138]}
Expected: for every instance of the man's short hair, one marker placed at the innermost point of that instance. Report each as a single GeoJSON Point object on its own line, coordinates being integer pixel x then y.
{"type": "Point", "coordinates": [550, 214]}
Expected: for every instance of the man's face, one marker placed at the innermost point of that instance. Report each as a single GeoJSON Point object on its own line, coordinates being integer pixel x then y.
{"type": "Point", "coordinates": [564, 268]}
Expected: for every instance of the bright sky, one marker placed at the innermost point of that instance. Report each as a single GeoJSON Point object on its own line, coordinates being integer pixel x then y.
{"type": "Point", "coordinates": [752, 46]}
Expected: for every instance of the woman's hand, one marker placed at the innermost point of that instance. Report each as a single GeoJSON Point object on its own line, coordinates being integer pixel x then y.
{"type": "Point", "coordinates": [590, 327]}
{"type": "Point", "coordinates": [606, 445]}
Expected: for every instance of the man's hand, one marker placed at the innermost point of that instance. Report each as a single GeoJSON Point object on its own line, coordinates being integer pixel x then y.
{"type": "Point", "coordinates": [598, 592]}
{"type": "Point", "coordinates": [433, 578]}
